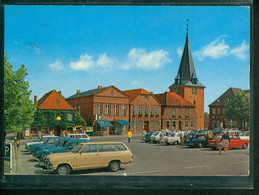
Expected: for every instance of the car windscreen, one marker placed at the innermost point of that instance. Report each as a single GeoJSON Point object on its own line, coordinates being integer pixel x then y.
{"type": "Point", "coordinates": [77, 148]}
{"type": "Point", "coordinates": [189, 136]}
{"type": "Point", "coordinates": [218, 137]}
{"type": "Point", "coordinates": [84, 136]}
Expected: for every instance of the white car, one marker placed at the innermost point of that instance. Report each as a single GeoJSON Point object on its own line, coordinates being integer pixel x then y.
{"type": "Point", "coordinates": [156, 136]}
{"type": "Point", "coordinates": [79, 136]}
{"type": "Point", "coordinates": [43, 139]}
{"type": "Point", "coordinates": [172, 138]}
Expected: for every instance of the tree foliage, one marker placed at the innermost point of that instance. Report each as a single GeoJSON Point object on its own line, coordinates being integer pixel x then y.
{"type": "Point", "coordinates": [18, 108]}
{"type": "Point", "coordinates": [238, 108]}
{"type": "Point", "coordinates": [49, 118]}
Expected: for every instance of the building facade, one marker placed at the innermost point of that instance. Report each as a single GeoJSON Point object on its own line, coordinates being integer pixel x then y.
{"type": "Point", "coordinates": [104, 108]}
{"type": "Point", "coordinates": [217, 111]}
{"type": "Point", "coordinates": [54, 115]}
{"type": "Point", "coordinates": [144, 111]}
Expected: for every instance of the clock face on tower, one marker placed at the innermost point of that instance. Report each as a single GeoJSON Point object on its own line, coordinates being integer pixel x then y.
{"type": "Point", "coordinates": [194, 90]}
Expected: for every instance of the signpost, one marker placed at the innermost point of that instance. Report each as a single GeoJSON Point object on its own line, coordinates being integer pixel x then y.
{"type": "Point", "coordinates": [7, 158]}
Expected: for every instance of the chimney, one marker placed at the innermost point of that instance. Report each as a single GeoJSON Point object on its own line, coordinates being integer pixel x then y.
{"type": "Point", "coordinates": [35, 99]}
{"type": "Point", "coordinates": [77, 91]}
{"type": "Point", "coordinates": [100, 86]}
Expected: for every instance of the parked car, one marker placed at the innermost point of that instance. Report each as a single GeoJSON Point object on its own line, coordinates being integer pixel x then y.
{"type": "Point", "coordinates": [172, 138]}
{"type": "Point", "coordinates": [58, 143]}
{"type": "Point", "coordinates": [244, 135]}
{"type": "Point", "coordinates": [196, 140]}
{"type": "Point", "coordinates": [235, 142]}
{"type": "Point", "coordinates": [79, 136]}
{"type": "Point", "coordinates": [41, 140]}
{"type": "Point", "coordinates": [49, 140]}
{"type": "Point", "coordinates": [90, 155]}
{"type": "Point", "coordinates": [147, 136]}
{"type": "Point", "coordinates": [156, 136]}
{"type": "Point", "coordinates": [67, 146]}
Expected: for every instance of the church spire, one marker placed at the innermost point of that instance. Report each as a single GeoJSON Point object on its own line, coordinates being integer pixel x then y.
{"type": "Point", "coordinates": [186, 73]}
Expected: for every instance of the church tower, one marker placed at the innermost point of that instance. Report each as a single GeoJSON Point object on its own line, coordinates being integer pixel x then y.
{"type": "Point", "coordinates": [187, 84]}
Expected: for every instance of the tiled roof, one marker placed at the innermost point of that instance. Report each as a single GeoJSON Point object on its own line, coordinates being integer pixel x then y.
{"type": "Point", "coordinates": [229, 94]}
{"type": "Point", "coordinates": [136, 92]}
{"type": "Point", "coordinates": [54, 101]}
{"type": "Point", "coordinates": [86, 93]}
{"type": "Point", "coordinates": [172, 99]}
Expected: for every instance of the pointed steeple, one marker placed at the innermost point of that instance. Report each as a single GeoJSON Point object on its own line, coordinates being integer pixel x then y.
{"type": "Point", "coordinates": [186, 73]}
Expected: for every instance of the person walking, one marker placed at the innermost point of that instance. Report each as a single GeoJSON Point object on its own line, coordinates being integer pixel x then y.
{"type": "Point", "coordinates": [129, 135]}
{"type": "Point", "coordinates": [143, 134]}
{"type": "Point", "coordinates": [161, 139]}
{"type": "Point", "coordinates": [225, 144]}
{"type": "Point", "coordinates": [181, 138]}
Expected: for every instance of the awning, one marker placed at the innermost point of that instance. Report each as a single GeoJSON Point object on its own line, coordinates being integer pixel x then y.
{"type": "Point", "coordinates": [104, 123]}
{"type": "Point", "coordinates": [124, 122]}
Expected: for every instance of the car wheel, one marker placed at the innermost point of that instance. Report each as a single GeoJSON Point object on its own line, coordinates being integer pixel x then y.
{"type": "Point", "coordinates": [245, 146]}
{"type": "Point", "coordinates": [175, 142]}
{"type": "Point", "coordinates": [63, 169]}
{"type": "Point", "coordinates": [199, 145]}
{"type": "Point", "coordinates": [114, 166]}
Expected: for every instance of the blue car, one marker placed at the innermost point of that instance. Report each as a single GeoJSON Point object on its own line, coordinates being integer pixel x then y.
{"type": "Point", "coordinates": [49, 140]}
{"type": "Point", "coordinates": [147, 136]}
{"type": "Point", "coordinates": [196, 140]}
{"type": "Point", "coordinates": [59, 142]}
{"type": "Point", "coordinates": [68, 145]}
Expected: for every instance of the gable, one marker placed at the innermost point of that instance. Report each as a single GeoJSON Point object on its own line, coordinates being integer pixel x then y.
{"type": "Point", "coordinates": [54, 101]}
{"type": "Point", "coordinates": [111, 91]}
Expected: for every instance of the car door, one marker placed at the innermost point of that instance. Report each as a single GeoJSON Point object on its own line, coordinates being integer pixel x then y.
{"type": "Point", "coordinates": [88, 157]}
{"type": "Point", "coordinates": [236, 142]}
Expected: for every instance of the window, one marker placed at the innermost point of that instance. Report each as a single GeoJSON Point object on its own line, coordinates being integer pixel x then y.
{"type": "Point", "coordinates": [104, 147]}
{"type": "Point", "coordinates": [174, 125]}
{"type": "Point", "coordinates": [186, 124]}
{"type": "Point", "coordinates": [176, 90]}
{"type": "Point", "coordinates": [146, 98]}
{"type": "Point", "coordinates": [107, 110]}
{"type": "Point", "coordinates": [167, 124]}
{"type": "Point", "coordinates": [194, 90]}
{"type": "Point", "coordinates": [152, 111]}
{"type": "Point", "coordinates": [99, 109]}
{"type": "Point", "coordinates": [192, 124]}
{"type": "Point", "coordinates": [78, 109]}
{"type": "Point", "coordinates": [157, 125]}
{"type": "Point", "coordinates": [134, 110]}
{"type": "Point", "coordinates": [45, 115]}
{"type": "Point", "coordinates": [152, 124]}
{"type": "Point", "coordinates": [146, 111]}
{"type": "Point", "coordinates": [218, 111]}
{"type": "Point", "coordinates": [69, 116]}
{"type": "Point", "coordinates": [116, 147]}
{"type": "Point", "coordinates": [134, 125]}
{"type": "Point", "coordinates": [90, 148]}
{"type": "Point", "coordinates": [112, 92]}
{"type": "Point", "coordinates": [157, 111]}
{"type": "Point", "coordinates": [223, 110]}
{"type": "Point", "coordinates": [180, 112]}
{"type": "Point", "coordinates": [116, 110]}
{"type": "Point", "coordinates": [174, 111]}
{"type": "Point", "coordinates": [123, 110]}
{"type": "Point", "coordinates": [140, 125]}
{"type": "Point", "coordinates": [140, 111]}
{"type": "Point", "coordinates": [187, 112]}
{"type": "Point", "coordinates": [213, 110]}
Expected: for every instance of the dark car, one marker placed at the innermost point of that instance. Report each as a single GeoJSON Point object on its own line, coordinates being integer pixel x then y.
{"type": "Point", "coordinates": [196, 140]}
{"type": "Point", "coordinates": [50, 140]}
{"type": "Point", "coordinates": [147, 136]}
{"type": "Point", "coordinates": [66, 147]}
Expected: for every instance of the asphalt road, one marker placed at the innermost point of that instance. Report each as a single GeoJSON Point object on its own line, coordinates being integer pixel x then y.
{"type": "Point", "coordinates": [155, 160]}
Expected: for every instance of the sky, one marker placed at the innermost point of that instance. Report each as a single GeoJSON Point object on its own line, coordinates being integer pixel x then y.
{"type": "Point", "coordinates": [71, 48]}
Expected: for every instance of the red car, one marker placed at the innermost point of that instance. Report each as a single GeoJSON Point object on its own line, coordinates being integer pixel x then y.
{"type": "Point", "coordinates": [235, 142]}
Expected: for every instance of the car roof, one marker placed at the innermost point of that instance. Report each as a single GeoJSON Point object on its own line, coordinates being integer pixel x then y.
{"type": "Point", "coordinates": [97, 142]}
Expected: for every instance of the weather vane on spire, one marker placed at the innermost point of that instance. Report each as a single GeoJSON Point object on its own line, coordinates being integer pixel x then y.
{"type": "Point", "coordinates": [187, 25]}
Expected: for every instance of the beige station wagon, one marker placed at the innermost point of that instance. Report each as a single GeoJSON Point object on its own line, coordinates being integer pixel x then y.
{"type": "Point", "coordinates": [90, 155]}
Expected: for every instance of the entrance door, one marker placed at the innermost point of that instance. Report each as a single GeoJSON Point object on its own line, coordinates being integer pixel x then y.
{"type": "Point", "coordinates": [146, 126]}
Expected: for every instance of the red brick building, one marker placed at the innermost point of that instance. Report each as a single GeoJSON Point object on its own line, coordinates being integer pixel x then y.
{"type": "Point", "coordinates": [52, 112]}
{"type": "Point", "coordinates": [217, 111]}
{"type": "Point", "coordinates": [105, 108]}
{"type": "Point", "coordinates": [176, 112]}
{"type": "Point", "coordinates": [144, 111]}
{"type": "Point", "coordinates": [188, 86]}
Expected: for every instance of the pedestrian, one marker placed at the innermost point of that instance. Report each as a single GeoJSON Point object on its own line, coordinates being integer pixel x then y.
{"type": "Point", "coordinates": [143, 134]}
{"type": "Point", "coordinates": [225, 144]}
{"type": "Point", "coordinates": [129, 135]}
{"type": "Point", "coordinates": [181, 137]}
{"type": "Point", "coordinates": [161, 139]}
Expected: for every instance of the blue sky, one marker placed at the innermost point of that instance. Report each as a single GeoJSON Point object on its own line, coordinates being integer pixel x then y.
{"type": "Point", "coordinates": [80, 47]}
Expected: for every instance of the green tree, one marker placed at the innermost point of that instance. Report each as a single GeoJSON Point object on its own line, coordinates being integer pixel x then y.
{"type": "Point", "coordinates": [18, 108]}
{"type": "Point", "coordinates": [238, 108]}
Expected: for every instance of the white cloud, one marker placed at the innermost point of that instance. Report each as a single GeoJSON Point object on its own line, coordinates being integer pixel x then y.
{"type": "Point", "coordinates": [58, 65]}
{"type": "Point", "coordinates": [179, 51]}
{"type": "Point", "coordinates": [134, 83]}
{"type": "Point", "coordinates": [141, 59]}
{"type": "Point", "coordinates": [215, 49]}
{"type": "Point", "coordinates": [105, 61]}
{"type": "Point", "coordinates": [241, 52]}
{"type": "Point", "coordinates": [84, 63]}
